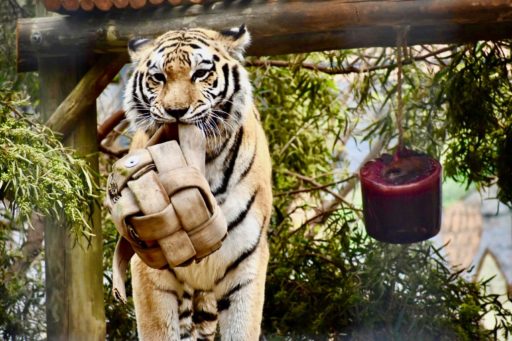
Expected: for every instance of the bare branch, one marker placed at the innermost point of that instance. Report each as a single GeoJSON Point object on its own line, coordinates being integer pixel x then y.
{"type": "Point", "coordinates": [30, 249]}
{"type": "Point", "coordinates": [312, 189]}
{"type": "Point", "coordinates": [342, 70]}
{"type": "Point", "coordinates": [329, 207]}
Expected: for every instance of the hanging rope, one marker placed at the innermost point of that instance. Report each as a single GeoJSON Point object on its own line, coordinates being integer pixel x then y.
{"type": "Point", "coordinates": [401, 43]}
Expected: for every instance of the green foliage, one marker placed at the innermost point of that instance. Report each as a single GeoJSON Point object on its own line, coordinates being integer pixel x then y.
{"type": "Point", "coordinates": [327, 279]}
{"type": "Point", "coordinates": [21, 296]}
{"type": "Point", "coordinates": [26, 83]}
{"type": "Point", "coordinates": [478, 93]}
{"type": "Point", "coordinates": [38, 174]}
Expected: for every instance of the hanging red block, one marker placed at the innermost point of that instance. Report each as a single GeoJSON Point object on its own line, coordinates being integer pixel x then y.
{"type": "Point", "coordinates": [402, 197]}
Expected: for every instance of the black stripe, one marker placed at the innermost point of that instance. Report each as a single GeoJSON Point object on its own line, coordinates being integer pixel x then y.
{"type": "Point", "coordinates": [224, 302]}
{"type": "Point", "coordinates": [140, 81]}
{"type": "Point", "coordinates": [226, 108]}
{"type": "Point", "coordinates": [185, 335]}
{"type": "Point", "coordinates": [241, 216]}
{"type": "Point", "coordinates": [201, 41]}
{"type": "Point", "coordinates": [246, 254]}
{"type": "Point", "coordinates": [208, 335]}
{"type": "Point", "coordinates": [187, 295]}
{"type": "Point", "coordinates": [164, 47]}
{"type": "Point", "coordinates": [194, 46]}
{"type": "Point", "coordinates": [171, 270]}
{"type": "Point", "coordinates": [249, 167]}
{"type": "Point", "coordinates": [216, 58]}
{"type": "Point", "coordinates": [225, 72]}
{"type": "Point", "coordinates": [233, 154]}
{"type": "Point", "coordinates": [187, 58]}
{"type": "Point", "coordinates": [186, 313]}
{"type": "Point", "coordinates": [201, 316]}
{"type": "Point", "coordinates": [236, 79]}
{"type": "Point", "coordinates": [217, 152]}
{"type": "Point", "coordinates": [174, 293]}
{"type": "Point", "coordinates": [136, 98]}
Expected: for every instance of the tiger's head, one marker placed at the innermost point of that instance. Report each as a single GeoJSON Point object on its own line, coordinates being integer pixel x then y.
{"type": "Point", "coordinates": [192, 76]}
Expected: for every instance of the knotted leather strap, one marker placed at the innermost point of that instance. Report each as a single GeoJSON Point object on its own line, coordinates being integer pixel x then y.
{"type": "Point", "coordinates": [163, 208]}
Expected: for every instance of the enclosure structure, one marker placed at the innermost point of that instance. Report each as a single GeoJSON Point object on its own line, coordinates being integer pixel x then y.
{"type": "Point", "coordinates": [78, 53]}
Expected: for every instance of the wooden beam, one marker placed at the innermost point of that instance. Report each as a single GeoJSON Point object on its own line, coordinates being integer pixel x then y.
{"type": "Point", "coordinates": [109, 124]}
{"type": "Point", "coordinates": [85, 93]}
{"type": "Point", "coordinates": [277, 26]}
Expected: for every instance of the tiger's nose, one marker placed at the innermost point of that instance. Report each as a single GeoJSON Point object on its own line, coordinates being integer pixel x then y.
{"type": "Point", "coordinates": [176, 113]}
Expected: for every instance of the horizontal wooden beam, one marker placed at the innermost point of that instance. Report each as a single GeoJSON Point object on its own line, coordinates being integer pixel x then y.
{"type": "Point", "coordinates": [277, 27]}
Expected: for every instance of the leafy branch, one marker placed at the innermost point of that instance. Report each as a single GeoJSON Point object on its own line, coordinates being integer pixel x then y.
{"type": "Point", "coordinates": [38, 174]}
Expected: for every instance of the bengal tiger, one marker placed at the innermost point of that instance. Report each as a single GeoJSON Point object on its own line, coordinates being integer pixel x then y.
{"type": "Point", "coordinates": [195, 76]}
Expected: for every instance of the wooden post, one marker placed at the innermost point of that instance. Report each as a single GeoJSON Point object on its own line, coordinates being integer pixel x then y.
{"type": "Point", "coordinates": [74, 273]}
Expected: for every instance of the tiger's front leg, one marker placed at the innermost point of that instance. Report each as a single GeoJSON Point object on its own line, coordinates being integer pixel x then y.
{"type": "Point", "coordinates": [240, 299]}
{"type": "Point", "coordinates": [155, 294]}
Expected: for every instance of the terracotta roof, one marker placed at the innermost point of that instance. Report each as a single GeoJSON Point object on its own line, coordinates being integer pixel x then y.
{"type": "Point", "coordinates": [462, 230]}
{"type": "Point", "coordinates": [106, 5]}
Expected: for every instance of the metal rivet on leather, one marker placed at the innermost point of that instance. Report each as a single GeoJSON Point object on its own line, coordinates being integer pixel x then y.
{"type": "Point", "coordinates": [131, 162]}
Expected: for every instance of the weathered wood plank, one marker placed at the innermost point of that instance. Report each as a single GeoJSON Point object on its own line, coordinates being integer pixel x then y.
{"type": "Point", "coordinates": [85, 93]}
{"type": "Point", "coordinates": [277, 27]}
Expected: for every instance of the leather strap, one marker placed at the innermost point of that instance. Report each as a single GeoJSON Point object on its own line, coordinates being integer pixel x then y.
{"type": "Point", "coordinates": [122, 256]}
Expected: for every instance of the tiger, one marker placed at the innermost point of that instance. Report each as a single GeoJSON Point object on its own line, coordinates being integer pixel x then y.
{"type": "Point", "coordinates": [196, 76]}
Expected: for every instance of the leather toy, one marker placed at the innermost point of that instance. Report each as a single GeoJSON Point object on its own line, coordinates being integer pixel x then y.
{"type": "Point", "coordinates": [162, 205]}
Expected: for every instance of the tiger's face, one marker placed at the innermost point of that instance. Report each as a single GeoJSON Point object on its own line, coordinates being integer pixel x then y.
{"type": "Point", "coordinates": [191, 76]}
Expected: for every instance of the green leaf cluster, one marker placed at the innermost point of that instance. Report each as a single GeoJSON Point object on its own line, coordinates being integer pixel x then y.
{"type": "Point", "coordinates": [478, 94]}
{"type": "Point", "coordinates": [38, 175]}
{"type": "Point", "coordinates": [22, 297]}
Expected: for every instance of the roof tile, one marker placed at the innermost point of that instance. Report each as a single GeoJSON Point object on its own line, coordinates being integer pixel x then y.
{"type": "Point", "coordinates": [71, 6]}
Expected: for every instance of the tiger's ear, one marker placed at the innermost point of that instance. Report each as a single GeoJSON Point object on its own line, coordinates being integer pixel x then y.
{"type": "Point", "coordinates": [236, 40]}
{"type": "Point", "coordinates": [137, 46]}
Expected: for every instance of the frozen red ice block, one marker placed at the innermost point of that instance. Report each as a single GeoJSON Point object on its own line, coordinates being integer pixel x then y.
{"type": "Point", "coordinates": [402, 197]}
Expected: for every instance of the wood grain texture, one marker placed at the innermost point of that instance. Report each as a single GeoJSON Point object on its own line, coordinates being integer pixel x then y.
{"type": "Point", "coordinates": [74, 288]}
{"type": "Point", "coordinates": [84, 94]}
{"type": "Point", "coordinates": [277, 27]}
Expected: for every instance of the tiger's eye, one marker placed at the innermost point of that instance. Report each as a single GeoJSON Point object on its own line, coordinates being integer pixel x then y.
{"type": "Point", "coordinates": [159, 77]}
{"type": "Point", "coordinates": [200, 73]}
